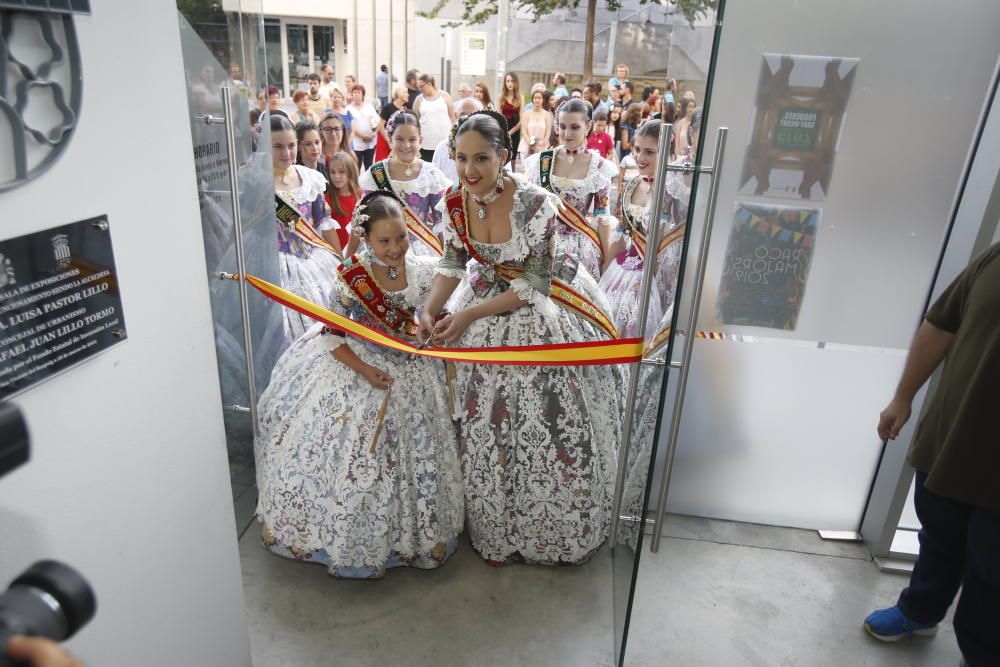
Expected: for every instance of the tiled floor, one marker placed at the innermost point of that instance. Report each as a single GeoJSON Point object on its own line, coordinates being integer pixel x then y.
{"type": "Point", "coordinates": [717, 593]}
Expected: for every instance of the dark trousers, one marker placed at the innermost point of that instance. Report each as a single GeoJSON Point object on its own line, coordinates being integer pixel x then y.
{"type": "Point", "coordinates": [365, 158]}
{"type": "Point", "coordinates": [427, 154]}
{"type": "Point", "coordinates": [959, 546]}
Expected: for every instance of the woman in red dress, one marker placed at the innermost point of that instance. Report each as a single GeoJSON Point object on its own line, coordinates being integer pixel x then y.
{"type": "Point", "coordinates": [510, 106]}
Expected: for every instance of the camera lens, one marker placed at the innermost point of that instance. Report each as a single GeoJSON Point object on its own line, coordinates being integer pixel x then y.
{"type": "Point", "coordinates": [49, 599]}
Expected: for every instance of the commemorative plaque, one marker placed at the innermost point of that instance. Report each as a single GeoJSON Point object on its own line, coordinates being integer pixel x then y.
{"type": "Point", "coordinates": [59, 302]}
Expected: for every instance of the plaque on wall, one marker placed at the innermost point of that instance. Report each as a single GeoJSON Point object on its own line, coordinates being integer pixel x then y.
{"type": "Point", "coordinates": [59, 302]}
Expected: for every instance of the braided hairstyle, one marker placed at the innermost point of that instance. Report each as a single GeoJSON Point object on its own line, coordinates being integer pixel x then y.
{"type": "Point", "coordinates": [401, 117]}
{"type": "Point", "coordinates": [376, 205]}
{"type": "Point", "coordinates": [490, 125]}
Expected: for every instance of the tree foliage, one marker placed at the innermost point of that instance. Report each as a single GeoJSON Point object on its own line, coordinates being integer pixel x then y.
{"type": "Point", "coordinates": [477, 11]}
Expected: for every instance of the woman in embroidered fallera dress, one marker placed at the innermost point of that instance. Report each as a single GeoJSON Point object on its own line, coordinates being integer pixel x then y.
{"type": "Point", "coordinates": [582, 179]}
{"type": "Point", "coordinates": [538, 442]}
{"type": "Point", "coordinates": [304, 268]}
{"type": "Point", "coordinates": [624, 262]}
{"type": "Point", "coordinates": [420, 185]}
{"type": "Point", "coordinates": [357, 460]}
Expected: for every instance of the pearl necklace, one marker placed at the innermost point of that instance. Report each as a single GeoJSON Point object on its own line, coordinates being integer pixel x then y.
{"type": "Point", "coordinates": [409, 165]}
{"type": "Point", "coordinates": [488, 199]}
{"type": "Point", "coordinates": [393, 271]}
{"type": "Point", "coordinates": [571, 154]}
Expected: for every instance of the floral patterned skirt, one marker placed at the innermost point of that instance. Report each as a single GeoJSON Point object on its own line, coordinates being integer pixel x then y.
{"type": "Point", "coordinates": [588, 254]}
{"type": "Point", "coordinates": [621, 283]}
{"type": "Point", "coordinates": [538, 443]}
{"type": "Point", "coordinates": [324, 495]}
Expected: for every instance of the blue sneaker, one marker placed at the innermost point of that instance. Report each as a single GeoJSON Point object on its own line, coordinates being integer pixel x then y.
{"type": "Point", "coordinates": [889, 625]}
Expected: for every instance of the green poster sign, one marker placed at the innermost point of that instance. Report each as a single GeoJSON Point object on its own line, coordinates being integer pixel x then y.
{"type": "Point", "coordinates": [796, 129]}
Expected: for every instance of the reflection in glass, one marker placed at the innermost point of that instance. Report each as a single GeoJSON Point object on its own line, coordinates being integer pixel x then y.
{"type": "Point", "coordinates": [324, 48]}
{"type": "Point", "coordinates": [675, 210]}
{"type": "Point", "coordinates": [213, 48]}
{"type": "Point", "coordinates": [299, 65]}
{"type": "Point", "coordinates": [272, 53]}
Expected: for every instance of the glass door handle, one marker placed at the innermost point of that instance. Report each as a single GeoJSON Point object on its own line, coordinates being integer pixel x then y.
{"type": "Point", "coordinates": [685, 363]}
{"type": "Point", "coordinates": [654, 233]}
{"type": "Point", "coordinates": [234, 191]}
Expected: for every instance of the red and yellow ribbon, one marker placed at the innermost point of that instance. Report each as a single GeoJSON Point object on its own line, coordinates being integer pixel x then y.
{"type": "Point", "coordinates": [621, 351]}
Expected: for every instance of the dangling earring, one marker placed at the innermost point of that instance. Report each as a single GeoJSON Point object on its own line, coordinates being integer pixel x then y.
{"type": "Point", "coordinates": [500, 180]}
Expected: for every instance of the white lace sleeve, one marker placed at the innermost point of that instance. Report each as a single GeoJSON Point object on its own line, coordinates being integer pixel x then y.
{"type": "Point", "coordinates": [313, 184]}
{"type": "Point", "coordinates": [531, 167]}
{"type": "Point", "coordinates": [327, 224]}
{"type": "Point", "coordinates": [367, 182]}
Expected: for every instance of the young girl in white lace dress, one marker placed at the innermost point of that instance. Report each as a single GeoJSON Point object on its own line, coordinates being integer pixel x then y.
{"type": "Point", "coordinates": [582, 180]}
{"type": "Point", "coordinates": [627, 255]}
{"type": "Point", "coordinates": [304, 269]}
{"type": "Point", "coordinates": [420, 185]}
{"type": "Point", "coordinates": [538, 442]}
{"type": "Point", "coordinates": [357, 460]}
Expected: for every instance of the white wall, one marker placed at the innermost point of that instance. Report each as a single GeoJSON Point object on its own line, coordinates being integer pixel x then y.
{"type": "Point", "coordinates": [129, 481]}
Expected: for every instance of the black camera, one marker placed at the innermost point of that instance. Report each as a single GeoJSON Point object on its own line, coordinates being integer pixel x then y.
{"type": "Point", "coordinates": [49, 599]}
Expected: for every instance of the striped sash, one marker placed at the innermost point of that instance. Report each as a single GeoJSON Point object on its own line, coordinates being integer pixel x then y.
{"type": "Point", "coordinates": [362, 284]}
{"type": "Point", "coordinates": [639, 240]}
{"type": "Point", "coordinates": [292, 219]}
{"type": "Point", "coordinates": [560, 291]}
{"type": "Point", "coordinates": [380, 172]}
{"type": "Point", "coordinates": [571, 217]}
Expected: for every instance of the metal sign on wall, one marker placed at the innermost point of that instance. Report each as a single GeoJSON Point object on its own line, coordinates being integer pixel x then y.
{"type": "Point", "coordinates": [40, 77]}
{"type": "Point", "coordinates": [59, 302]}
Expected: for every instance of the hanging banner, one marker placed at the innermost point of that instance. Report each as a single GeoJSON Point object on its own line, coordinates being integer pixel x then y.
{"type": "Point", "coordinates": [767, 265]}
{"type": "Point", "coordinates": [472, 53]}
{"type": "Point", "coordinates": [796, 125]}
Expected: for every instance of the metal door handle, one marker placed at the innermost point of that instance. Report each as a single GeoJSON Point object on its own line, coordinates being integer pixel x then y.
{"type": "Point", "coordinates": [685, 364]}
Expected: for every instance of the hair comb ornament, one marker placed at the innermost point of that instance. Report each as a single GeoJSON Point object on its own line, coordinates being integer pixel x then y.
{"type": "Point", "coordinates": [390, 124]}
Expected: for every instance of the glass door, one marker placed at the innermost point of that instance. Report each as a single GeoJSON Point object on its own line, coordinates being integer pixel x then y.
{"type": "Point", "coordinates": [226, 67]}
{"type": "Point", "coordinates": [811, 248]}
{"type": "Point", "coordinates": [688, 61]}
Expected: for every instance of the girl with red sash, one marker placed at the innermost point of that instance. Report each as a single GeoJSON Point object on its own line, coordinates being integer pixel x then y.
{"type": "Point", "coordinates": [420, 185]}
{"type": "Point", "coordinates": [627, 252]}
{"type": "Point", "coordinates": [357, 460]}
{"type": "Point", "coordinates": [538, 442]}
{"type": "Point", "coordinates": [582, 179]}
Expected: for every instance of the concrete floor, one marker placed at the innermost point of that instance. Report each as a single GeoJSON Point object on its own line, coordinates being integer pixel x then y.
{"type": "Point", "coordinates": [717, 593]}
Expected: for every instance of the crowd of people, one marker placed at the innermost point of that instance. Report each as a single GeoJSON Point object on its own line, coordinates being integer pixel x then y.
{"type": "Point", "coordinates": [455, 222]}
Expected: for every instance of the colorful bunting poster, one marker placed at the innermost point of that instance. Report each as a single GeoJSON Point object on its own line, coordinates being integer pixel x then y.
{"type": "Point", "coordinates": [767, 265]}
{"type": "Point", "coordinates": [796, 125]}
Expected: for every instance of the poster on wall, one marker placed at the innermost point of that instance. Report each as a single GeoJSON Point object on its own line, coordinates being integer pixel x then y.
{"type": "Point", "coordinates": [796, 125]}
{"type": "Point", "coordinates": [473, 53]}
{"type": "Point", "coordinates": [767, 265]}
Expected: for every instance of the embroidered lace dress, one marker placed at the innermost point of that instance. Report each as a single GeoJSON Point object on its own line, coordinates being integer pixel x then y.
{"type": "Point", "coordinates": [538, 443]}
{"type": "Point", "coordinates": [324, 496]}
{"type": "Point", "coordinates": [623, 278]}
{"type": "Point", "coordinates": [645, 418]}
{"type": "Point", "coordinates": [302, 268]}
{"type": "Point", "coordinates": [590, 196]}
{"type": "Point", "coordinates": [421, 195]}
